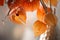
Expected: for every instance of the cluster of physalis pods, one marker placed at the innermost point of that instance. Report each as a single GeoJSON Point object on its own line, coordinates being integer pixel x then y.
{"type": "Point", "coordinates": [46, 16]}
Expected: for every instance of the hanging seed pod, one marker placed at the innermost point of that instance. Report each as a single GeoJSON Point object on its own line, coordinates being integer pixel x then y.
{"type": "Point", "coordinates": [50, 19]}
{"type": "Point", "coordinates": [18, 15]}
{"type": "Point", "coordinates": [39, 28]}
{"type": "Point", "coordinates": [41, 13]}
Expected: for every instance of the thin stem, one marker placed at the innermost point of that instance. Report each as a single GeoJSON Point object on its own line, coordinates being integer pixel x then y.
{"type": "Point", "coordinates": [44, 6]}
{"type": "Point", "coordinates": [50, 6]}
{"type": "Point", "coordinates": [8, 12]}
{"type": "Point", "coordinates": [54, 10]}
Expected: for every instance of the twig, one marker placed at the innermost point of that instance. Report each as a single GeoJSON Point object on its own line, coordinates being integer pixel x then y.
{"type": "Point", "coordinates": [50, 6]}
{"type": "Point", "coordinates": [44, 6]}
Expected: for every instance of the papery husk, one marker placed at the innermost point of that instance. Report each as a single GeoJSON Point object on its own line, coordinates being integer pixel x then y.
{"type": "Point", "coordinates": [39, 28]}
{"type": "Point", "coordinates": [53, 2]}
{"type": "Point", "coordinates": [51, 19]}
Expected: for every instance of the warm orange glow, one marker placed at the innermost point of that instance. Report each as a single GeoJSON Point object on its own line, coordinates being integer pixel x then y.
{"type": "Point", "coordinates": [18, 15]}
{"type": "Point", "coordinates": [41, 13]}
{"type": "Point", "coordinates": [39, 28]}
{"type": "Point", "coordinates": [51, 19]}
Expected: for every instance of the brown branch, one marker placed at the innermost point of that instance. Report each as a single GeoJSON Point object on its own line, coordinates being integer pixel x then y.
{"type": "Point", "coordinates": [44, 6]}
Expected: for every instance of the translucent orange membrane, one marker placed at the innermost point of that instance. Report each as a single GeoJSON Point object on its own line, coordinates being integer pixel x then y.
{"type": "Point", "coordinates": [39, 28]}
{"type": "Point", "coordinates": [53, 2]}
{"type": "Point", "coordinates": [51, 19]}
{"type": "Point", "coordinates": [18, 16]}
{"type": "Point", "coordinates": [41, 13]}
{"type": "Point", "coordinates": [26, 4]}
{"type": "Point", "coordinates": [1, 2]}
{"type": "Point", "coordinates": [31, 5]}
